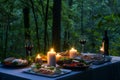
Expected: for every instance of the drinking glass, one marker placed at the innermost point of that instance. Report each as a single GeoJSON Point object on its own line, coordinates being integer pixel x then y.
{"type": "Point", "coordinates": [28, 47]}
{"type": "Point", "coordinates": [82, 41]}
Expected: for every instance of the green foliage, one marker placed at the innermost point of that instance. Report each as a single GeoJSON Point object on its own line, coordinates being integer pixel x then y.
{"type": "Point", "coordinates": [98, 15]}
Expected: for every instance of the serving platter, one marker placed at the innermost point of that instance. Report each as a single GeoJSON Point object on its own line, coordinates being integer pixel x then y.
{"type": "Point", "coordinates": [105, 60]}
{"type": "Point", "coordinates": [63, 72]}
{"type": "Point", "coordinates": [73, 64]}
{"type": "Point", "coordinates": [96, 59]}
{"type": "Point", "coordinates": [12, 62]}
{"type": "Point", "coordinates": [14, 66]}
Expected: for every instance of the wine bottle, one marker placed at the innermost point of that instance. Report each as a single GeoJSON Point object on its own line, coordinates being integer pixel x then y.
{"type": "Point", "coordinates": [105, 43]}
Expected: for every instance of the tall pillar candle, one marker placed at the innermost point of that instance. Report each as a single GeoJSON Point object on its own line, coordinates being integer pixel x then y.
{"type": "Point", "coordinates": [51, 58]}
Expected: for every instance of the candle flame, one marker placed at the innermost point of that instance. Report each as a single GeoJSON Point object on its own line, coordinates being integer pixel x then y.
{"type": "Point", "coordinates": [102, 49]}
{"type": "Point", "coordinates": [38, 56]}
{"type": "Point", "coordinates": [58, 55]}
{"type": "Point", "coordinates": [72, 49]}
{"type": "Point", "coordinates": [52, 50]}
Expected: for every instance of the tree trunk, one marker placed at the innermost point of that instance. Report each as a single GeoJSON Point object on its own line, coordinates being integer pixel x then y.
{"type": "Point", "coordinates": [92, 38]}
{"type": "Point", "coordinates": [66, 44]}
{"type": "Point", "coordinates": [26, 26]}
{"type": "Point", "coordinates": [41, 3]}
{"type": "Point", "coordinates": [82, 12]}
{"type": "Point", "coordinates": [6, 36]}
{"type": "Point", "coordinates": [45, 29]}
{"type": "Point", "coordinates": [56, 29]}
{"type": "Point", "coordinates": [26, 22]}
{"type": "Point", "coordinates": [70, 2]}
{"type": "Point", "coordinates": [36, 24]}
{"type": "Point", "coordinates": [6, 42]}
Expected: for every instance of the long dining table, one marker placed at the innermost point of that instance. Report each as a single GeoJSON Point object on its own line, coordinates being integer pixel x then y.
{"type": "Point", "coordinates": [107, 71]}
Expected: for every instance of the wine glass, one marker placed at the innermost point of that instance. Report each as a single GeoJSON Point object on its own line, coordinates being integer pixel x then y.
{"type": "Point", "coordinates": [28, 47]}
{"type": "Point", "coordinates": [82, 41]}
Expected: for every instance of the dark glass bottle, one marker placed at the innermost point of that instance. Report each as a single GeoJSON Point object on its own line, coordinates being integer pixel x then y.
{"type": "Point", "coordinates": [105, 41]}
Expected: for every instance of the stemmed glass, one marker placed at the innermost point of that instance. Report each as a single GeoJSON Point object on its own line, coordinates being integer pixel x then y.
{"type": "Point", "coordinates": [28, 47]}
{"type": "Point", "coordinates": [82, 41]}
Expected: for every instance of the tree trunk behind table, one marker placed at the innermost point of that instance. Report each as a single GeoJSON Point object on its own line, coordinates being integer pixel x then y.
{"type": "Point", "coordinates": [92, 25]}
{"type": "Point", "coordinates": [2, 44]}
{"type": "Point", "coordinates": [82, 15]}
{"type": "Point", "coordinates": [70, 2]}
{"type": "Point", "coordinates": [26, 25]}
{"type": "Point", "coordinates": [36, 24]}
{"type": "Point", "coordinates": [41, 3]}
{"type": "Point", "coordinates": [56, 29]}
{"type": "Point", "coordinates": [45, 28]}
{"type": "Point", "coordinates": [6, 43]}
{"type": "Point", "coordinates": [6, 36]}
{"type": "Point", "coordinates": [66, 44]}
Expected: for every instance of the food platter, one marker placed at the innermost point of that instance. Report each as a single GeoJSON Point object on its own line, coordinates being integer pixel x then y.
{"type": "Point", "coordinates": [14, 63]}
{"type": "Point", "coordinates": [96, 59]}
{"type": "Point", "coordinates": [73, 64]}
{"type": "Point", "coordinates": [63, 72]}
{"type": "Point", "coordinates": [14, 66]}
{"type": "Point", "coordinates": [104, 60]}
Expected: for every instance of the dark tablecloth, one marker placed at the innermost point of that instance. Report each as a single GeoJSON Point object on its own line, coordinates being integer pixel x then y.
{"type": "Point", "coordinates": [106, 71]}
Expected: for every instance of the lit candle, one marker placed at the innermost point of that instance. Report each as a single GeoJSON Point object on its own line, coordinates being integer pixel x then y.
{"type": "Point", "coordinates": [72, 53]}
{"type": "Point", "coordinates": [58, 56]}
{"type": "Point", "coordinates": [51, 57]}
{"type": "Point", "coordinates": [102, 48]}
{"type": "Point", "coordinates": [38, 59]}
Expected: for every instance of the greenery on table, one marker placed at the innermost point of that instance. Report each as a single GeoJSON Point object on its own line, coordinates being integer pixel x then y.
{"type": "Point", "coordinates": [98, 15]}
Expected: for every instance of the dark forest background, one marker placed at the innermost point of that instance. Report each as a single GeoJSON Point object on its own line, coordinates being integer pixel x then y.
{"type": "Point", "coordinates": [33, 20]}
